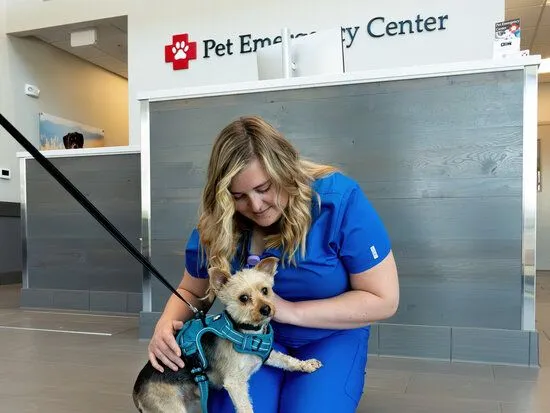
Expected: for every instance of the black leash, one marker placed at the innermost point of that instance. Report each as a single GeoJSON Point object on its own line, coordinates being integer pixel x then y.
{"type": "Point", "coordinates": [65, 183]}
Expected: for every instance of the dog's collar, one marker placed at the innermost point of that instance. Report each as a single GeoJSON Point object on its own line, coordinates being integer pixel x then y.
{"type": "Point", "coordinates": [243, 326]}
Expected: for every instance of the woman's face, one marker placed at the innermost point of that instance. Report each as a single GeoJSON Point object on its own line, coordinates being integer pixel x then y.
{"type": "Point", "coordinates": [256, 196]}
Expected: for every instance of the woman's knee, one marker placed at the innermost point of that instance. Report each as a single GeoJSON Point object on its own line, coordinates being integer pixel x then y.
{"type": "Point", "coordinates": [338, 385]}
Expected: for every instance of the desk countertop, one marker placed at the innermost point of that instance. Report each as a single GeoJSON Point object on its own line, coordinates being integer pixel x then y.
{"type": "Point", "coordinates": [68, 153]}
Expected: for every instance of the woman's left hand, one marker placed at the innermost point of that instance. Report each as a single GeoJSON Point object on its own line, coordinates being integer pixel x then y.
{"type": "Point", "coordinates": [285, 311]}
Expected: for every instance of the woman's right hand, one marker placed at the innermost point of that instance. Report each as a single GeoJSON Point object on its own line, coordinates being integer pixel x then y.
{"type": "Point", "coordinates": [163, 346]}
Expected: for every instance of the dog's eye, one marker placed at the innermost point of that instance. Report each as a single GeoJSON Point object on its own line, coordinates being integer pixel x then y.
{"type": "Point", "coordinates": [244, 298]}
{"type": "Point", "coordinates": [265, 291]}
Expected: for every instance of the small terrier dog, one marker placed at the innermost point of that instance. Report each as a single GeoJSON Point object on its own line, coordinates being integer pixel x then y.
{"type": "Point", "coordinates": [247, 296]}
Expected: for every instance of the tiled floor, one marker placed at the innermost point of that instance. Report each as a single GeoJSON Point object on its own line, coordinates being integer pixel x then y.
{"type": "Point", "coordinates": [52, 371]}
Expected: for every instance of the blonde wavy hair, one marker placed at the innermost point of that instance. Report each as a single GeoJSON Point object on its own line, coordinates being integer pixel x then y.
{"type": "Point", "coordinates": [220, 227]}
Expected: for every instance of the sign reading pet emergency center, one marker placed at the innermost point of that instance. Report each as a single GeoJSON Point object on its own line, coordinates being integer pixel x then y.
{"type": "Point", "coordinates": [197, 43]}
{"type": "Point", "coordinates": [182, 50]}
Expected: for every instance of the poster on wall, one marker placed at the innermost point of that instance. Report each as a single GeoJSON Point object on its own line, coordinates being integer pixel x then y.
{"type": "Point", "coordinates": [59, 133]}
{"type": "Point", "coordinates": [507, 40]}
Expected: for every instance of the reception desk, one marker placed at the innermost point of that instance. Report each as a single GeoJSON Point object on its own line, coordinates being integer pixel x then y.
{"type": "Point", "coordinates": [445, 153]}
{"type": "Point", "coordinates": [69, 260]}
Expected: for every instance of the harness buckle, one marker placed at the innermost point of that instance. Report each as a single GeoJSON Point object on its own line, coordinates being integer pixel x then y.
{"type": "Point", "coordinates": [200, 377]}
{"type": "Point", "coordinates": [256, 343]}
{"type": "Point", "coordinates": [194, 363]}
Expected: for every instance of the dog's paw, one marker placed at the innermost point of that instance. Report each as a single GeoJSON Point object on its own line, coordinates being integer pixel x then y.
{"type": "Point", "coordinates": [309, 366]}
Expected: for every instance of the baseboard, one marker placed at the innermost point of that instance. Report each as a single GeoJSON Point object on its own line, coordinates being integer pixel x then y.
{"type": "Point", "coordinates": [459, 344]}
{"type": "Point", "coordinates": [93, 301]}
{"type": "Point", "coordinates": [451, 344]}
{"type": "Point", "coordinates": [147, 322]}
{"type": "Point", "coordinates": [12, 277]}
{"type": "Point", "coordinates": [10, 209]}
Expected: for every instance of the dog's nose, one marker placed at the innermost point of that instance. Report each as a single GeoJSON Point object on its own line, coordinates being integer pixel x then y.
{"type": "Point", "coordinates": [265, 310]}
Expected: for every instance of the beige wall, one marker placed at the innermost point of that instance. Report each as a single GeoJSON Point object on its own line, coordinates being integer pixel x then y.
{"type": "Point", "coordinates": [69, 87]}
{"type": "Point", "coordinates": [544, 102]}
{"type": "Point", "coordinates": [543, 202]}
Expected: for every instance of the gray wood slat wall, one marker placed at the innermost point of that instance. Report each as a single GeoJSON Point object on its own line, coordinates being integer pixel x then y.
{"type": "Point", "coordinates": [10, 243]}
{"type": "Point", "coordinates": [68, 250]}
{"type": "Point", "coordinates": [440, 159]}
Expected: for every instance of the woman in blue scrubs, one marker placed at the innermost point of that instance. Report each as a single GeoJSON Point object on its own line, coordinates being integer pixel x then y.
{"type": "Point", "coordinates": [336, 275]}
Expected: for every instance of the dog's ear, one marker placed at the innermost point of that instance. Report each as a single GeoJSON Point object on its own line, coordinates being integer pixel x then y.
{"type": "Point", "coordinates": [268, 265]}
{"type": "Point", "coordinates": [218, 277]}
{"type": "Point", "coordinates": [80, 139]}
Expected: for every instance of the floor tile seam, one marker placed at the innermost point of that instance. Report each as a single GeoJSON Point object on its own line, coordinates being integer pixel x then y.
{"type": "Point", "coordinates": [452, 398]}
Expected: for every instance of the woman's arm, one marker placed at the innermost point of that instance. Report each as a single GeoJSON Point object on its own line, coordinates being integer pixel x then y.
{"type": "Point", "coordinates": [374, 296]}
{"type": "Point", "coordinates": [192, 289]}
{"type": "Point", "coordinates": [163, 346]}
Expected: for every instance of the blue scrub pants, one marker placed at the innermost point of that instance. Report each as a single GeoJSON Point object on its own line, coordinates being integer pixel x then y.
{"type": "Point", "coordinates": [335, 387]}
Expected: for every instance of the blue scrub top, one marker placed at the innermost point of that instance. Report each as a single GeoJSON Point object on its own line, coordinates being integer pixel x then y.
{"type": "Point", "coordinates": [346, 237]}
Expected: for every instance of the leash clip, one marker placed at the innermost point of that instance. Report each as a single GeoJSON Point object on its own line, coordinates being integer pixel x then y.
{"type": "Point", "coordinates": [199, 315]}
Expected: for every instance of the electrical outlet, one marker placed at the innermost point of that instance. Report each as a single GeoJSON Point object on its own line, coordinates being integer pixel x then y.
{"type": "Point", "coordinates": [5, 173]}
{"type": "Point", "coordinates": [31, 90]}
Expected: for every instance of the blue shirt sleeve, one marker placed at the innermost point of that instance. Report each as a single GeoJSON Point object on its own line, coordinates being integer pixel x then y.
{"type": "Point", "coordinates": [195, 257]}
{"type": "Point", "coordinates": [364, 241]}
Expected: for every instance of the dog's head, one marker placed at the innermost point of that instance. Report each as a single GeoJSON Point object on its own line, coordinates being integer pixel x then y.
{"type": "Point", "coordinates": [248, 294]}
{"type": "Point", "coordinates": [73, 140]}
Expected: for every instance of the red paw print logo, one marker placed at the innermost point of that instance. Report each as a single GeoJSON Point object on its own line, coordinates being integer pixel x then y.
{"type": "Point", "coordinates": [180, 52]}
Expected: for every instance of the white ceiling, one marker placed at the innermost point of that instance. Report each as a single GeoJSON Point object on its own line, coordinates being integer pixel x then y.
{"type": "Point", "coordinates": [535, 24]}
{"type": "Point", "coordinates": [111, 49]}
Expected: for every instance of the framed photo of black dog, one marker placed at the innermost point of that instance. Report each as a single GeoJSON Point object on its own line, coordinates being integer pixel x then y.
{"type": "Point", "coordinates": [59, 133]}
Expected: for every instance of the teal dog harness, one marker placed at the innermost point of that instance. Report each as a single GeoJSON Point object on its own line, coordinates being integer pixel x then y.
{"type": "Point", "coordinates": [190, 336]}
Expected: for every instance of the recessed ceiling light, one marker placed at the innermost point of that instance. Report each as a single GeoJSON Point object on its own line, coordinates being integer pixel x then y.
{"type": "Point", "coordinates": [84, 37]}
